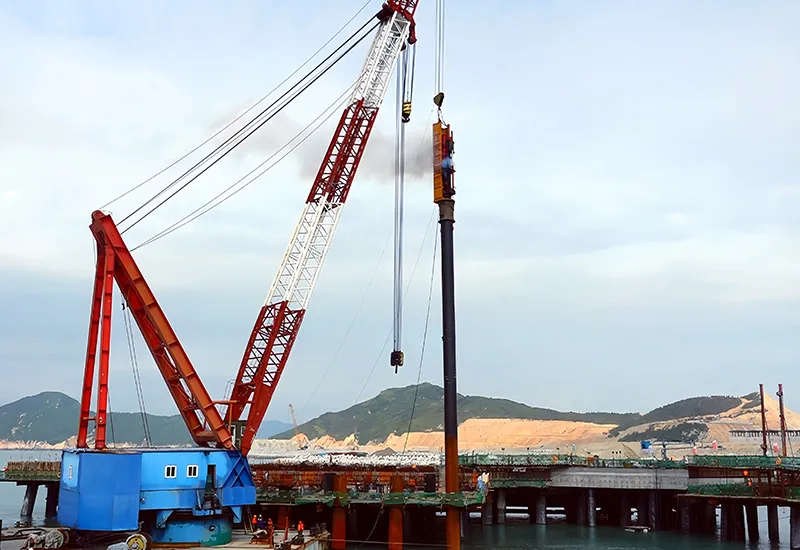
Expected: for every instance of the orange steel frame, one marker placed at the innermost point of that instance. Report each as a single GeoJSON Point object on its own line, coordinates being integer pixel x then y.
{"type": "Point", "coordinates": [115, 263]}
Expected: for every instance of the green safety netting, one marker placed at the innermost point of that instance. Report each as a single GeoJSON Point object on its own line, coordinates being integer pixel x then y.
{"type": "Point", "coordinates": [745, 461]}
{"type": "Point", "coordinates": [26, 475]}
{"type": "Point", "coordinates": [723, 489]}
{"type": "Point", "coordinates": [478, 460]}
{"type": "Point", "coordinates": [388, 499]}
{"type": "Point", "coordinates": [517, 482]}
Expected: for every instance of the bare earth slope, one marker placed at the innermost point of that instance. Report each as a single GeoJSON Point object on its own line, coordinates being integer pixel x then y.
{"type": "Point", "coordinates": [694, 421]}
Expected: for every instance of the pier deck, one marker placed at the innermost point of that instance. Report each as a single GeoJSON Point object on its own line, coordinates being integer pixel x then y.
{"type": "Point", "coordinates": [352, 493]}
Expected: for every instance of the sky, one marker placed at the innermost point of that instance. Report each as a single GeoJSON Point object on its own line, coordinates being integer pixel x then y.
{"type": "Point", "coordinates": [627, 196]}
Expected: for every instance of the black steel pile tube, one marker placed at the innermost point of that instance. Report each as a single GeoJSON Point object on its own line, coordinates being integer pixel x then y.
{"type": "Point", "coordinates": [446, 221]}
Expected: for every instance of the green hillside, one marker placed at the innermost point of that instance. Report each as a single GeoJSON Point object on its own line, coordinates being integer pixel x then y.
{"type": "Point", "coordinates": [52, 417]}
{"type": "Point", "coordinates": [388, 413]}
{"type": "Point", "coordinates": [44, 417]}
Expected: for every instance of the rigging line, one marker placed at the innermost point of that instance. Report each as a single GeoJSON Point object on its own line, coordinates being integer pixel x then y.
{"type": "Point", "coordinates": [133, 368]}
{"type": "Point", "coordinates": [148, 434]}
{"type": "Point", "coordinates": [374, 526]}
{"type": "Point", "coordinates": [182, 187]}
{"type": "Point", "coordinates": [408, 287]}
{"type": "Point", "coordinates": [399, 184]}
{"type": "Point", "coordinates": [351, 325]}
{"type": "Point", "coordinates": [424, 338]}
{"type": "Point", "coordinates": [363, 297]}
{"type": "Point", "coordinates": [110, 420]}
{"type": "Point", "coordinates": [137, 380]}
{"type": "Point", "coordinates": [242, 137]}
{"type": "Point", "coordinates": [240, 133]}
{"type": "Point", "coordinates": [190, 217]}
{"type": "Point", "coordinates": [253, 106]}
{"type": "Point", "coordinates": [441, 46]}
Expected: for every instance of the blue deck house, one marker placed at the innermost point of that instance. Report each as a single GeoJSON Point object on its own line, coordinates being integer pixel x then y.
{"type": "Point", "coordinates": [178, 496]}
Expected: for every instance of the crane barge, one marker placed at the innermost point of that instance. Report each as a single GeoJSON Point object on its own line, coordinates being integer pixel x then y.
{"type": "Point", "coordinates": [195, 495]}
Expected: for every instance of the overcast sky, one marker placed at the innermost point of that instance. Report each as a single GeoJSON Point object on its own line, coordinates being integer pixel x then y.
{"type": "Point", "coordinates": [627, 212]}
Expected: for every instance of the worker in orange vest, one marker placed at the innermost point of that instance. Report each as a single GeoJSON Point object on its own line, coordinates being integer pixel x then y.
{"type": "Point", "coordinates": [300, 527]}
{"type": "Point", "coordinates": [255, 521]}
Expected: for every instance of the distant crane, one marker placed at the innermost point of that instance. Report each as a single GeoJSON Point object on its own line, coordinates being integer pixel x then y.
{"type": "Point", "coordinates": [294, 420]}
{"type": "Point", "coordinates": [296, 430]}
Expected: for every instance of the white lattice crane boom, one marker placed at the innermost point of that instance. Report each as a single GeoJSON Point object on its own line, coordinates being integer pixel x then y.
{"type": "Point", "coordinates": [279, 320]}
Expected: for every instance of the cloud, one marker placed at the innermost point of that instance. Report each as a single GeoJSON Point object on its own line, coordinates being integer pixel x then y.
{"type": "Point", "coordinates": [377, 164]}
{"type": "Point", "coordinates": [627, 195]}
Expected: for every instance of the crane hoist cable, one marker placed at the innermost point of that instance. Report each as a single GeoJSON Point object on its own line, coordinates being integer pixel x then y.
{"type": "Point", "coordinates": [353, 320]}
{"type": "Point", "coordinates": [405, 295]}
{"type": "Point", "coordinates": [438, 98]}
{"type": "Point", "coordinates": [405, 90]}
{"type": "Point", "coordinates": [209, 205]}
{"type": "Point", "coordinates": [424, 340]}
{"type": "Point", "coordinates": [239, 137]}
{"type": "Point", "coordinates": [137, 380]}
{"type": "Point", "coordinates": [249, 109]}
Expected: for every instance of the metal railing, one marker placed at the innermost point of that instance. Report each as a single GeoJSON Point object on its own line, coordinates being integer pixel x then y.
{"type": "Point", "coordinates": [500, 460]}
{"type": "Point", "coordinates": [746, 461]}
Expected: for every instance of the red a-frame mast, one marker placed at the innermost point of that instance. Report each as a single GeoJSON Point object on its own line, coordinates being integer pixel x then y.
{"type": "Point", "coordinates": [115, 263]}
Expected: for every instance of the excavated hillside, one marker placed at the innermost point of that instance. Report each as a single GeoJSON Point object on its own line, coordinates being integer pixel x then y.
{"type": "Point", "coordinates": [746, 415]}
{"type": "Point", "coordinates": [695, 421]}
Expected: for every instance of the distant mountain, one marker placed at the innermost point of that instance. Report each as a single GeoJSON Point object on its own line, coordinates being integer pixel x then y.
{"type": "Point", "coordinates": [49, 417]}
{"type": "Point", "coordinates": [52, 417]}
{"type": "Point", "coordinates": [699, 418]}
{"type": "Point", "coordinates": [388, 412]}
{"type": "Point", "coordinates": [374, 420]}
{"type": "Point", "coordinates": [692, 407]}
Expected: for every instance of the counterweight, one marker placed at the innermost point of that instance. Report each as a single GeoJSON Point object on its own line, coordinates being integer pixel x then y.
{"type": "Point", "coordinates": [280, 318]}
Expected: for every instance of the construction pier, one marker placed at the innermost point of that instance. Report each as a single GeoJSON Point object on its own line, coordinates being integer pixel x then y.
{"type": "Point", "coordinates": [396, 498]}
{"type": "Point", "coordinates": [633, 494]}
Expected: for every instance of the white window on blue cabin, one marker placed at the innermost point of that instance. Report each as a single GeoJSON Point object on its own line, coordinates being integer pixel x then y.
{"type": "Point", "coordinates": [171, 471]}
{"type": "Point", "coordinates": [191, 470]}
{"type": "Point", "coordinates": [69, 472]}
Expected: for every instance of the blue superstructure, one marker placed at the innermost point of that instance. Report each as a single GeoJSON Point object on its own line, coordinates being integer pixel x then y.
{"type": "Point", "coordinates": [172, 493]}
{"type": "Point", "coordinates": [100, 491]}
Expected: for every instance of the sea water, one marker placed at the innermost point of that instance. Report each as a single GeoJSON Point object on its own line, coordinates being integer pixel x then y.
{"type": "Point", "coordinates": [515, 535]}
{"type": "Point", "coordinates": [11, 495]}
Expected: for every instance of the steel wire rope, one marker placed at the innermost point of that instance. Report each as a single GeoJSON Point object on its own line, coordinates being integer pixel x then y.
{"type": "Point", "coordinates": [193, 215]}
{"type": "Point", "coordinates": [351, 325]}
{"type": "Point", "coordinates": [363, 296]}
{"type": "Point", "coordinates": [252, 121]}
{"type": "Point", "coordinates": [110, 420]}
{"type": "Point", "coordinates": [375, 525]}
{"type": "Point", "coordinates": [137, 380]}
{"type": "Point", "coordinates": [408, 288]}
{"type": "Point", "coordinates": [253, 106]}
{"type": "Point", "coordinates": [424, 339]}
{"type": "Point", "coordinates": [243, 137]}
